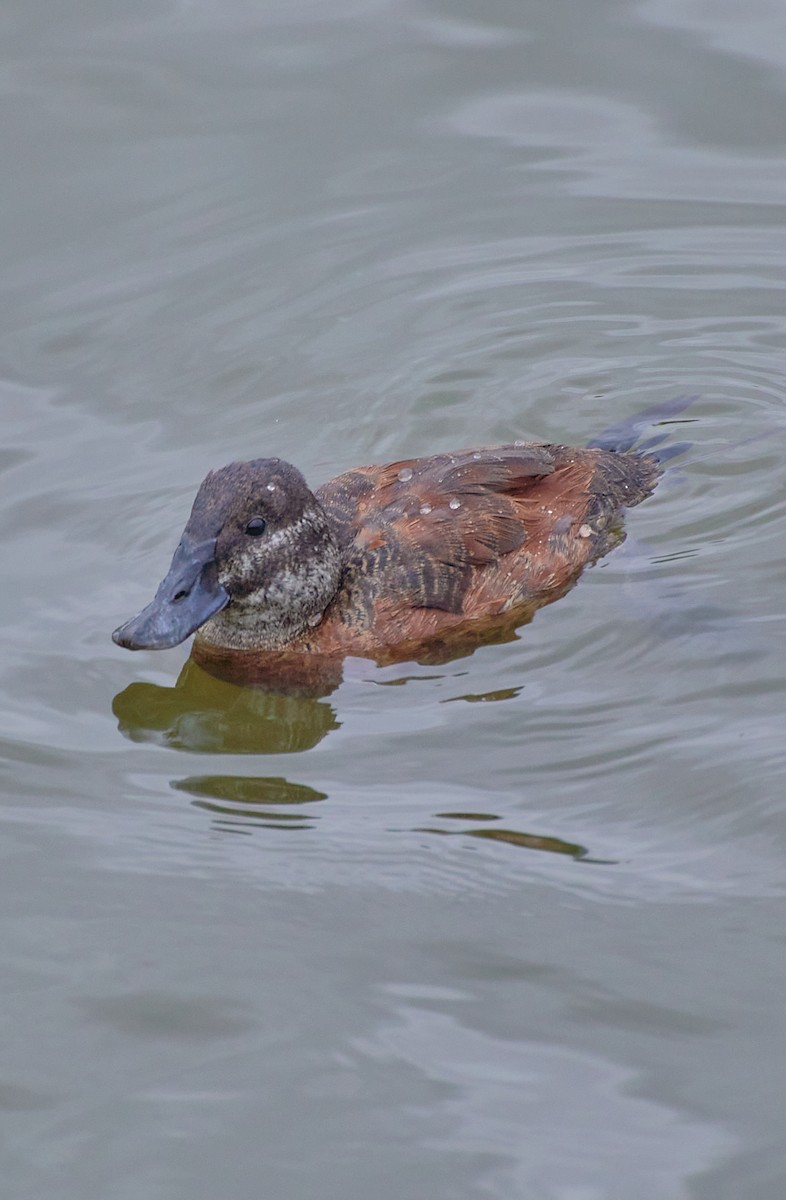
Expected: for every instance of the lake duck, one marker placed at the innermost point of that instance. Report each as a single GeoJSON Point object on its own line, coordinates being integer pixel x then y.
{"type": "Point", "coordinates": [417, 559]}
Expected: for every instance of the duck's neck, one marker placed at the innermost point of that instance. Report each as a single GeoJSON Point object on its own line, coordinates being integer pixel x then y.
{"type": "Point", "coordinates": [280, 611]}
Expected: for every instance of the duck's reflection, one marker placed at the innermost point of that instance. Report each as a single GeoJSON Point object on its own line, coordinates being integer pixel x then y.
{"type": "Point", "coordinates": [240, 801]}
{"type": "Point", "coordinates": [513, 837]}
{"type": "Point", "coordinates": [208, 715]}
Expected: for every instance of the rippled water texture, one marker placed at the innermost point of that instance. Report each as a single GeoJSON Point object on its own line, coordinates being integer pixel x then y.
{"type": "Point", "coordinates": [510, 926]}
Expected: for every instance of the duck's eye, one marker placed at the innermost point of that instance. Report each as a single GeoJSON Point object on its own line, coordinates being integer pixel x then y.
{"type": "Point", "coordinates": [256, 526]}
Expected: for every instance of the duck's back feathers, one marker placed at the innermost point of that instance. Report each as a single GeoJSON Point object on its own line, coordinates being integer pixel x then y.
{"type": "Point", "coordinates": [431, 544]}
{"type": "Point", "coordinates": [414, 530]}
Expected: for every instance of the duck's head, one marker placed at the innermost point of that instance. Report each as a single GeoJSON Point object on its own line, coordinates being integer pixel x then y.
{"type": "Point", "coordinates": [257, 564]}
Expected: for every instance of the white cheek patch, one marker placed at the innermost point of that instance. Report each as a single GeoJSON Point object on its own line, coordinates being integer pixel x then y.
{"type": "Point", "coordinates": [293, 573]}
{"type": "Point", "coordinates": [290, 533]}
{"type": "Point", "coordinates": [278, 591]}
{"type": "Point", "coordinates": [271, 541]}
{"type": "Point", "coordinates": [244, 562]}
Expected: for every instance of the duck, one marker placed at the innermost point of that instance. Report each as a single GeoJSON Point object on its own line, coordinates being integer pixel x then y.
{"type": "Point", "coordinates": [418, 559]}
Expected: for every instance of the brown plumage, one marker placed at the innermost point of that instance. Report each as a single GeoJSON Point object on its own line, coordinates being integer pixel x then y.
{"type": "Point", "coordinates": [419, 559]}
{"type": "Point", "coordinates": [467, 538]}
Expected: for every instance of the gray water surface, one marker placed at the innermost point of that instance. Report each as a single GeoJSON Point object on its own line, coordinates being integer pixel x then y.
{"type": "Point", "coordinates": [507, 927]}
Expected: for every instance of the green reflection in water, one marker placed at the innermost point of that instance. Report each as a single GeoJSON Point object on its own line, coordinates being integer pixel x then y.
{"type": "Point", "coordinates": [485, 697]}
{"type": "Point", "coordinates": [513, 837]}
{"type": "Point", "coordinates": [248, 789]}
{"type": "Point", "coordinates": [531, 841]}
{"type": "Point", "coordinates": [401, 680]}
{"type": "Point", "coordinates": [208, 715]}
{"type": "Point", "coordinates": [466, 816]}
{"type": "Point", "coordinates": [250, 798]}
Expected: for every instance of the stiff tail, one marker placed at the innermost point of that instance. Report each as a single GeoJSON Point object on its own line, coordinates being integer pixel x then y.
{"type": "Point", "coordinates": [625, 436]}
